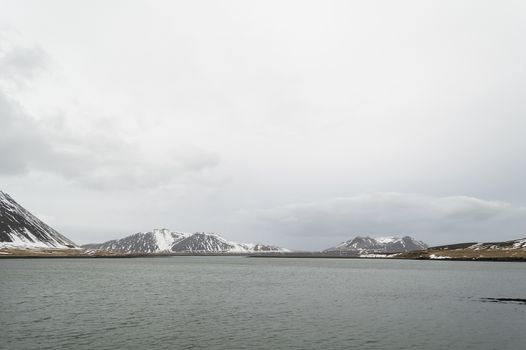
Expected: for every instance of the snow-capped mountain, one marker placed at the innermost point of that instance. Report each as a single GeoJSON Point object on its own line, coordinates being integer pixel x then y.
{"type": "Point", "coordinates": [21, 229]}
{"type": "Point", "coordinates": [368, 245]}
{"type": "Point", "coordinates": [166, 241]}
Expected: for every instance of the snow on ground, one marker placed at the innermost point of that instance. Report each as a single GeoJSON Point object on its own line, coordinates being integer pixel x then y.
{"type": "Point", "coordinates": [520, 243]}
{"type": "Point", "coordinates": [375, 256]}
{"type": "Point", "coordinates": [438, 257]}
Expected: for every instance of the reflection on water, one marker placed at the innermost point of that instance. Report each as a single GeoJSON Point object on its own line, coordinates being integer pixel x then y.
{"type": "Point", "coordinates": [504, 300]}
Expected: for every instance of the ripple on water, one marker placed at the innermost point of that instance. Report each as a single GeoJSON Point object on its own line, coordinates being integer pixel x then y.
{"type": "Point", "coordinates": [239, 303]}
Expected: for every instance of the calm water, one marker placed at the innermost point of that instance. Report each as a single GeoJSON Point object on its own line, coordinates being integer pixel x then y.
{"type": "Point", "coordinates": [243, 303]}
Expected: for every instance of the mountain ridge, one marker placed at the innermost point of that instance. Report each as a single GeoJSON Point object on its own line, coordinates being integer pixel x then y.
{"type": "Point", "coordinates": [362, 245]}
{"type": "Point", "coordinates": [21, 229]}
{"type": "Point", "coordinates": [166, 241]}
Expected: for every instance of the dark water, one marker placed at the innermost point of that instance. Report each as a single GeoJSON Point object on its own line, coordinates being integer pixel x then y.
{"type": "Point", "coordinates": [244, 303]}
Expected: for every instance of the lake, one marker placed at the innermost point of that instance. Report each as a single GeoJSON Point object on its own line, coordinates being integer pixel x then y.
{"type": "Point", "coordinates": [247, 303]}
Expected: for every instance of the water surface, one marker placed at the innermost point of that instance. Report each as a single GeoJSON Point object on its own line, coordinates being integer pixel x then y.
{"type": "Point", "coordinates": [246, 303]}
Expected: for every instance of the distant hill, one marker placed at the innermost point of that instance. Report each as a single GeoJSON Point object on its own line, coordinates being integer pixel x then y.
{"type": "Point", "coordinates": [367, 245]}
{"type": "Point", "coordinates": [166, 241]}
{"type": "Point", "coordinates": [508, 250]}
{"type": "Point", "coordinates": [21, 229]}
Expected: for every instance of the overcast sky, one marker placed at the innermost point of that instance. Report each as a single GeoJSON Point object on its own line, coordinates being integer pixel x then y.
{"type": "Point", "coordinates": [296, 123]}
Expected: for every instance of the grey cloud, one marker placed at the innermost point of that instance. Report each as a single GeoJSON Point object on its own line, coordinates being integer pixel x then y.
{"type": "Point", "coordinates": [434, 219]}
{"type": "Point", "coordinates": [20, 139]}
{"type": "Point", "coordinates": [98, 158]}
{"type": "Point", "coordinates": [20, 64]}
{"type": "Point", "coordinates": [95, 160]}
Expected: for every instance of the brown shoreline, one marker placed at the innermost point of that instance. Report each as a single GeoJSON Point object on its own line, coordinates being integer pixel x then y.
{"type": "Point", "coordinates": [320, 256]}
{"type": "Point", "coordinates": [271, 256]}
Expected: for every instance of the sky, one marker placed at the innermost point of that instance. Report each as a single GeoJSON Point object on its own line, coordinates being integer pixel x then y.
{"type": "Point", "coordinates": [295, 123]}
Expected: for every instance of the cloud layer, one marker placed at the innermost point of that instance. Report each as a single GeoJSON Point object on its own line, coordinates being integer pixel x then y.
{"type": "Point", "coordinates": [433, 219]}
{"type": "Point", "coordinates": [96, 157]}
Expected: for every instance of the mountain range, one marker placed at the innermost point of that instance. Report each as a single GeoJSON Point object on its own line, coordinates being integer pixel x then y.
{"type": "Point", "coordinates": [166, 241]}
{"type": "Point", "coordinates": [19, 229]}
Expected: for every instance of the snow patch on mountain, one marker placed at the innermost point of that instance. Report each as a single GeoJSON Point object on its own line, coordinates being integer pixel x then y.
{"type": "Point", "coordinates": [165, 239]}
{"type": "Point", "coordinates": [386, 240]}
